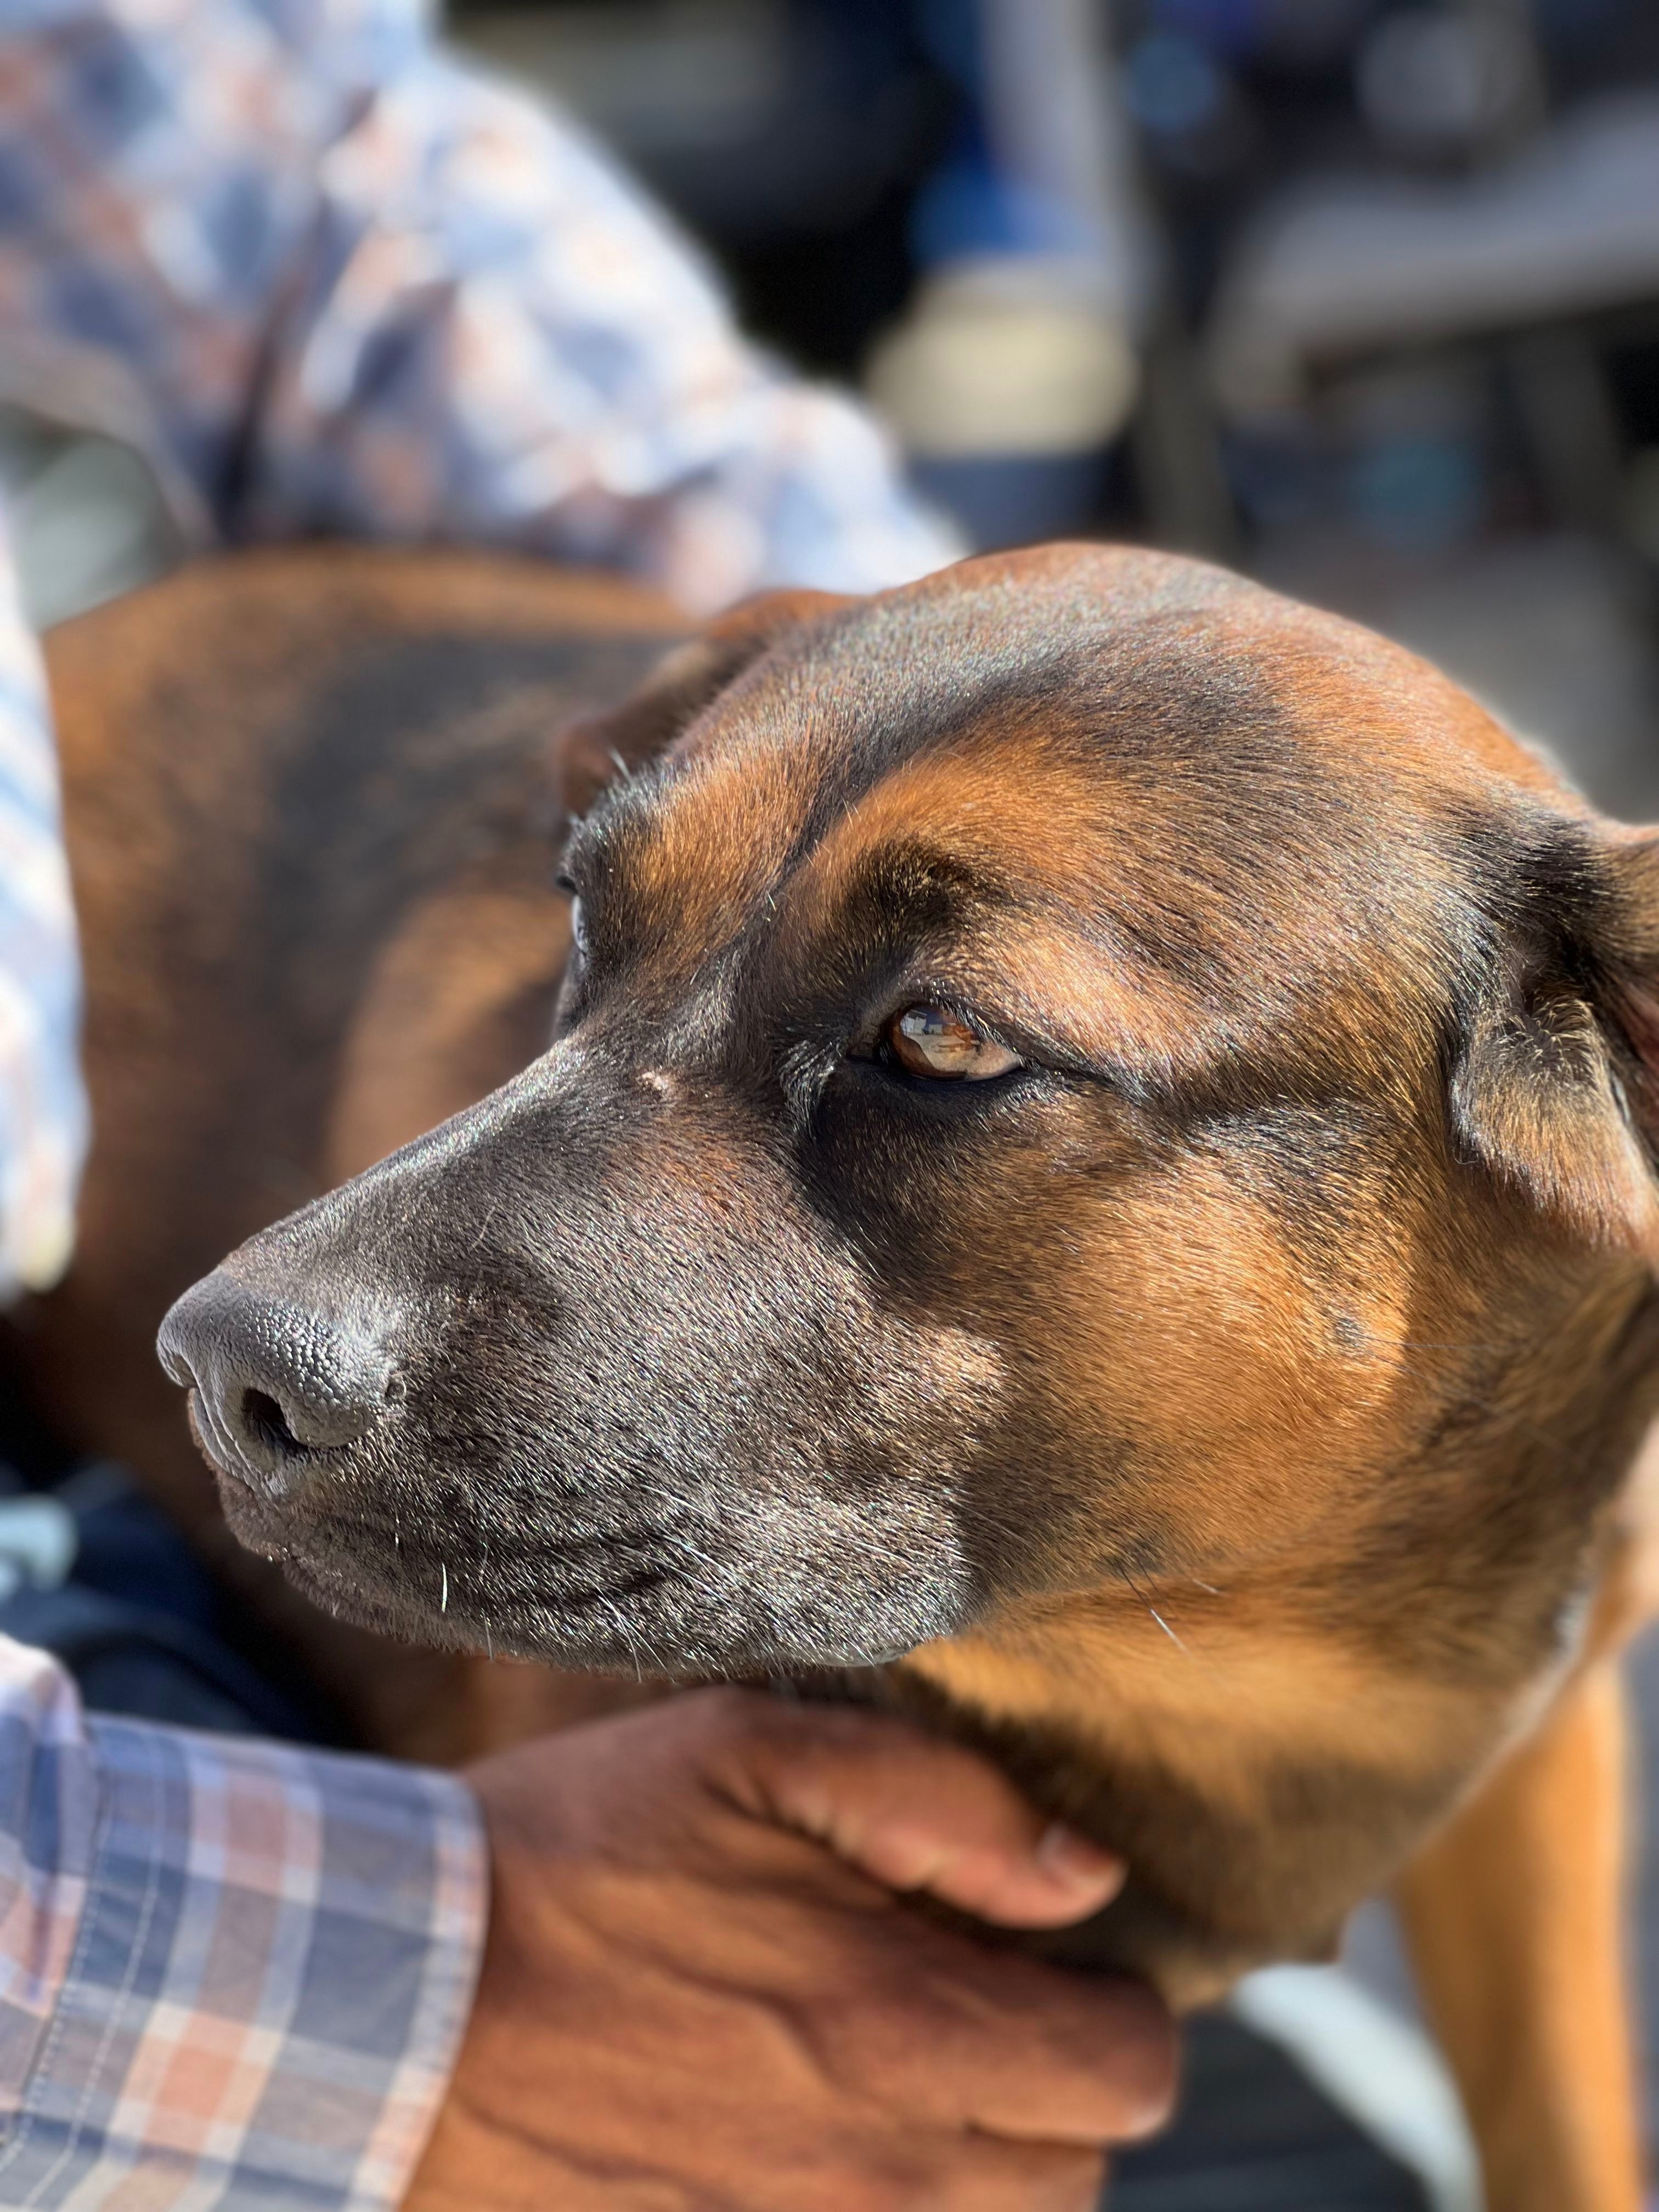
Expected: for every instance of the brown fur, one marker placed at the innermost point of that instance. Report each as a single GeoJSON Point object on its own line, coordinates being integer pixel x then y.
{"type": "Point", "coordinates": [1302, 1336]}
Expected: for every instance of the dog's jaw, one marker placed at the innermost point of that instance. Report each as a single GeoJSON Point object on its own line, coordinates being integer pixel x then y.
{"type": "Point", "coordinates": [710, 1595]}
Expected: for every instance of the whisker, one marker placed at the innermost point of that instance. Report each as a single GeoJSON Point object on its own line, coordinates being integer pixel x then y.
{"type": "Point", "coordinates": [1140, 1598]}
{"type": "Point", "coordinates": [626, 1635]}
{"type": "Point", "coordinates": [1194, 1658]}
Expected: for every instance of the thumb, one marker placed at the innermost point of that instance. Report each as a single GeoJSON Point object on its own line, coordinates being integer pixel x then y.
{"type": "Point", "coordinates": [911, 1811]}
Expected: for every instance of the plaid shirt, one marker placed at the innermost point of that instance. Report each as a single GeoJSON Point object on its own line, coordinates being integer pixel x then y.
{"type": "Point", "coordinates": [326, 278]}
{"type": "Point", "coordinates": [232, 1975]}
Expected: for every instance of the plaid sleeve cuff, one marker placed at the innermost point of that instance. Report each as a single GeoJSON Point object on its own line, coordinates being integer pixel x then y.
{"type": "Point", "coordinates": [275, 1962]}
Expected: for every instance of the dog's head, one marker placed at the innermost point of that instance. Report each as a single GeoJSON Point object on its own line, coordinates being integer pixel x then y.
{"type": "Point", "coordinates": [1041, 1048]}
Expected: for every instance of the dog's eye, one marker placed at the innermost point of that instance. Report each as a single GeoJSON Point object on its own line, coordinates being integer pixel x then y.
{"type": "Point", "coordinates": [930, 1040]}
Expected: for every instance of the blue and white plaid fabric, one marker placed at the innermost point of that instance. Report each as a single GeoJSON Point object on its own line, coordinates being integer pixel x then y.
{"type": "Point", "coordinates": [232, 1975]}
{"type": "Point", "coordinates": [328, 278]}
{"type": "Point", "coordinates": [43, 1117]}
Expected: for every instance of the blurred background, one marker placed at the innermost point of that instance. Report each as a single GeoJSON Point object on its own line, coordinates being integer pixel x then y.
{"type": "Point", "coordinates": [1360, 295]}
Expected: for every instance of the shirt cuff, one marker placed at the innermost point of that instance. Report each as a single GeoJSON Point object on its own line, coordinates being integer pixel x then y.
{"type": "Point", "coordinates": [275, 1965]}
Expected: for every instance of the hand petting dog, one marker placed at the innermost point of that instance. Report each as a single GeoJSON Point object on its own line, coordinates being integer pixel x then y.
{"type": "Point", "coordinates": [746, 2016]}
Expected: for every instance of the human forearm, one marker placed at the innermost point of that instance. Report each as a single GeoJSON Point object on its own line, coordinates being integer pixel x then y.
{"type": "Point", "coordinates": [235, 1972]}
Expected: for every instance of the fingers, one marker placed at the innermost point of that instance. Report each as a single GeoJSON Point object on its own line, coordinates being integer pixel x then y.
{"type": "Point", "coordinates": [686, 1929]}
{"type": "Point", "coordinates": [909, 1811]}
{"type": "Point", "coordinates": [968, 2176]}
{"type": "Point", "coordinates": [1016, 2049]}
{"type": "Point", "coordinates": [997, 2176]}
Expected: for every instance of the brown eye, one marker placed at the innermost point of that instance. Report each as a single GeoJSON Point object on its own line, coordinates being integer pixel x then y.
{"type": "Point", "coordinates": [929, 1041]}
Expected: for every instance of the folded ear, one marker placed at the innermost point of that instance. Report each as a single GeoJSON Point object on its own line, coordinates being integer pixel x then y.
{"type": "Point", "coordinates": [596, 749]}
{"type": "Point", "coordinates": [1555, 1078]}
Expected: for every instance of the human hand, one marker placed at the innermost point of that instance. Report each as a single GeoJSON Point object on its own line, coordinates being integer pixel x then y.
{"type": "Point", "coordinates": [702, 1992]}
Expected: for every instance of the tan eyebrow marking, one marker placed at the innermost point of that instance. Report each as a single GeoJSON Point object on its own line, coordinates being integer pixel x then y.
{"type": "Point", "coordinates": [692, 861]}
{"type": "Point", "coordinates": [1026, 831]}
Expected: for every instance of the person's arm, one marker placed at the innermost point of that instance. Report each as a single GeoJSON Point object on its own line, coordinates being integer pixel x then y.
{"type": "Point", "coordinates": [231, 1974]}
{"type": "Point", "coordinates": [242, 1978]}
{"type": "Point", "coordinates": [333, 279]}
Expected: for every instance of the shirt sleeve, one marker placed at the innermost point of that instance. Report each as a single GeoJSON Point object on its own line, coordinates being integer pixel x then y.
{"type": "Point", "coordinates": [333, 279]}
{"type": "Point", "coordinates": [232, 1975]}
{"type": "Point", "coordinates": [43, 1115]}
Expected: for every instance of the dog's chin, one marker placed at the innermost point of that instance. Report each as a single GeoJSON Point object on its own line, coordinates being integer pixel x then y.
{"type": "Point", "coordinates": [653, 1625]}
{"type": "Point", "coordinates": [606, 1611]}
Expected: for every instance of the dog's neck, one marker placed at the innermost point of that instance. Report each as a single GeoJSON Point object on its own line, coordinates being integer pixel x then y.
{"type": "Point", "coordinates": [1264, 1746]}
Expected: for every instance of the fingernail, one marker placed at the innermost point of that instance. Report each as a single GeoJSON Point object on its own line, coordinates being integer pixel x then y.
{"type": "Point", "coordinates": [1072, 1859]}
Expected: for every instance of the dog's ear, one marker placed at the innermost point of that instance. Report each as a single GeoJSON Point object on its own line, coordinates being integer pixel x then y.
{"type": "Point", "coordinates": [598, 748]}
{"type": "Point", "coordinates": [1555, 1077]}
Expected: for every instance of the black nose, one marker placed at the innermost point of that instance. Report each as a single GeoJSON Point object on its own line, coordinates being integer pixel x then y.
{"type": "Point", "coordinates": [275, 1384]}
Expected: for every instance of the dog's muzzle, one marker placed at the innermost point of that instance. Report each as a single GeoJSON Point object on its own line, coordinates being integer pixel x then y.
{"type": "Point", "coordinates": [276, 1387]}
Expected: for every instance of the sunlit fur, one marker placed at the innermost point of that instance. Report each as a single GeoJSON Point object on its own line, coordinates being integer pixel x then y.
{"type": "Point", "coordinates": [1224, 1408]}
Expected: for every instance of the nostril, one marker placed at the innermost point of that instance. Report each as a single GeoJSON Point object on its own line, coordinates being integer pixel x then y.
{"type": "Point", "coordinates": [263, 1419]}
{"type": "Point", "coordinates": [278, 1383]}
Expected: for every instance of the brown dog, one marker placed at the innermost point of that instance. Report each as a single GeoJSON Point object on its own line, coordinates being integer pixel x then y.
{"type": "Point", "coordinates": [1097, 1174]}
